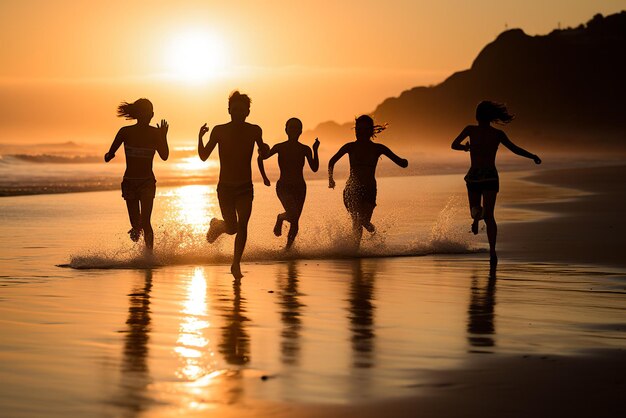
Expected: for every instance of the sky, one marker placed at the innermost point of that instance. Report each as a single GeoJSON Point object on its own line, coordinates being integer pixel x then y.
{"type": "Point", "coordinates": [66, 65]}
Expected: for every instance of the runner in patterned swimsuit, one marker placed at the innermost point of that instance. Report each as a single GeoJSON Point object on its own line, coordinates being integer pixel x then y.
{"type": "Point", "coordinates": [359, 195]}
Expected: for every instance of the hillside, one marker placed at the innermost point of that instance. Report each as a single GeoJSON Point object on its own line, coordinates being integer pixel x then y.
{"type": "Point", "coordinates": [565, 86]}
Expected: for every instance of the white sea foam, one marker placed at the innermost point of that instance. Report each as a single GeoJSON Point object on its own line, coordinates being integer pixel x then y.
{"type": "Point", "coordinates": [324, 238]}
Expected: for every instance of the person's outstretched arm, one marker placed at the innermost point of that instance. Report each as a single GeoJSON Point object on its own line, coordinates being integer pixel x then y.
{"type": "Point", "coordinates": [260, 159]}
{"type": "Point", "coordinates": [331, 164]}
{"type": "Point", "coordinates": [457, 143]}
{"type": "Point", "coordinates": [117, 143]}
{"type": "Point", "coordinates": [393, 157]}
{"type": "Point", "coordinates": [162, 148]}
{"type": "Point", "coordinates": [518, 150]}
{"type": "Point", "coordinates": [314, 160]}
{"type": "Point", "coordinates": [205, 152]}
{"type": "Point", "coordinates": [266, 181]}
{"type": "Point", "coordinates": [264, 149]}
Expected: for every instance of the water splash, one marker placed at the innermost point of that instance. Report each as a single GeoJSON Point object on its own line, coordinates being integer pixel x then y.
{"type": "Point", "coordinates": [328, 238]}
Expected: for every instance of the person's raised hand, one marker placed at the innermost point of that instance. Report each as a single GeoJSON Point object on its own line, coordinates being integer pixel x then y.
{"type": "Point", "coordinates": [203, 130]}
{"type": "Point", "coordinates": [316, 144]}
{"type": "Point", "coordinates": [163, 127]}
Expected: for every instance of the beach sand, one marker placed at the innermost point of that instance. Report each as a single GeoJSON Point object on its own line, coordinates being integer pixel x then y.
{"type": "Point", "coordinates": [418, 332]}
{"type": "Point", "coordinates": [585, 230]}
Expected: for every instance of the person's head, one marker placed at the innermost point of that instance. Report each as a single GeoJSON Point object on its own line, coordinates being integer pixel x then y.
{"type": "Point", "coordinates": [140, 109]}
{"type": "Point", "coordinates": [293, 128]}
{"type": "Point", "coordinates": [238, 106]}
{"type": "Point", "coordinates": [488, 111]}
{"type": "Point", "coordinates": [365, 128]}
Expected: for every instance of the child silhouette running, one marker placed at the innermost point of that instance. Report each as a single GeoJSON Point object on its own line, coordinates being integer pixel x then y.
{"type": "Point", "coordinates": [291, 187]}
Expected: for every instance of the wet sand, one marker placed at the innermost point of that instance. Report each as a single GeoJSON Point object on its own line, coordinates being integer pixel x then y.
{"type": "Point", "coordinates": [586, 230]}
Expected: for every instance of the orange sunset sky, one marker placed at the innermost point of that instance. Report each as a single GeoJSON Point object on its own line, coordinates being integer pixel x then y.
{"type": "Point", "coordinates": [67, 64]}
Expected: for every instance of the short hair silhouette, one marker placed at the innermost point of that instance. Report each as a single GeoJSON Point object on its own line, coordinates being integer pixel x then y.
{"type": "Point", "coordinates": [366, 124]}
{"type": "Point", "coordinates": [139, 108]}
{"type": "Point", "coordinates": [293, 120]}
{"type": "Point", "coordinates": [237, 97]}
{"type": "Point", "coordinates": [488, 111]}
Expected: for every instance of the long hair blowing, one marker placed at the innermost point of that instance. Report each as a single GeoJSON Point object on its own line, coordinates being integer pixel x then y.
{"type": "Point", "coordinates": [368, 123]}
{"type": "Point", "coordinates": [135, 110]}
{"type": "Point", "coordinates": [489, 111]}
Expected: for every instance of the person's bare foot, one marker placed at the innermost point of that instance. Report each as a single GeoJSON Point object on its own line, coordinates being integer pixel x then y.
{"type": "Point", "coordinates": [134, 234]}
{"type": "Point", "coordinates": [212, 233]}
{"type": "Point", "coordinates": [278, 228]}
{"type": "Point", "coordinates": [235, 270]}
{"type": "Point", "coordinates": [369, 227]}
{"type": "Point", "coordinates": [475, 227]}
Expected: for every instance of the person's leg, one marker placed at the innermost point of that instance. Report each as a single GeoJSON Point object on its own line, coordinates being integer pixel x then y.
{"type": "Point", "coordinates": [357, 230]}
{"type": "Point", "coordinates": [135, 219]}
{"type": "Point", "coordinates": [243, 205]}
{"type": "Point", "coordinates": [476, 211]}
{"type": "Point", "coordinates": [146, 214]}
{"type": "Point", "coordinates": [294, 211]}
{"type": "Point", "coordinates": [366, 217]}
{"type": "Point", "coordinates": [489, 202]}
{"type": "Point", "coordinates": [228, 225]}
{"type": "Point", "coordinates": [282, 217]}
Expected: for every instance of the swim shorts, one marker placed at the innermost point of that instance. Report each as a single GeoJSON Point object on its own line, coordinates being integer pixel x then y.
{"type": "Point", "coordinates": [481, 179]}
{"type": "Point", "coordinates": [138, 189]}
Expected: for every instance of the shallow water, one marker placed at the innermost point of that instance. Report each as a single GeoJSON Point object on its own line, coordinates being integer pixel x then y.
{"type": "Point", "coordinates": [323, 325]}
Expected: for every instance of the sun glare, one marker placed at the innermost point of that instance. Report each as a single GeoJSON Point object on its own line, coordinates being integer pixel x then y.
{"type": "Point", "coordinates": [196, 56]}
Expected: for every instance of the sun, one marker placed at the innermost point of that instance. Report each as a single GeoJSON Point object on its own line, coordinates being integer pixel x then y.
{"type": "Point", "coordinates": [196, 55]}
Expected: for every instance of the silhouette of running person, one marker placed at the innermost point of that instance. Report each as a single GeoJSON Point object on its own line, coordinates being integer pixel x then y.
{"type": "Point", "coordinates": [291, 187]}
{"type": "Point", "coordinates": [139, 184]}
{"type": "Point", "coordinates": [359, 195]}
{"type": "Point", "coordinates": [236, 141]}
{"type": "Point", "coordinates": [482, 179]}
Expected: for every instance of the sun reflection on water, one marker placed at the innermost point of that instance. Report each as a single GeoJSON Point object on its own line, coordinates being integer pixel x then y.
{"type": "Point", "coordinates": [194, 166]}
{"type": "Point", "coordinates": [193, 206]}
{"type": "Point", "coordinates": [192, 345]}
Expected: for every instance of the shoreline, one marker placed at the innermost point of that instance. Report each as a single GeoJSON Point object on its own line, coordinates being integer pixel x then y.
{"type": "Point", "coordinates": [583, 230]}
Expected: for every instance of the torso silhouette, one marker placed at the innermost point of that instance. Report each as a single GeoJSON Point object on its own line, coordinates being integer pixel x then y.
{"type": "Point", "coordinates": [291, 157]}
{"type": "Point", "coordinates": [364, 155]}
{"type": "Point", "coordinates": [139, 146]}
{"type": "Point", "coordinates": [484, 142]}
{"type": "Point", "coordinates": [236, 146]}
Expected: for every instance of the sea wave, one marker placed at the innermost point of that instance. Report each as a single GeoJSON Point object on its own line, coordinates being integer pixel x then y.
{"type": "Point", "coordinates": [53, 159]}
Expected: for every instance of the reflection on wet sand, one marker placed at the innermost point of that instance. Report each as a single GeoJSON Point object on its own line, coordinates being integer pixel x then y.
{"type": "Point", "coordinates": [290, 315]}
{"type": "Point", "coordinates": [192, 343]}
{"type": "Point", "coordinates": [480, 324]}
{"type": "Point", "coordinates": [361, 314]}
{"type": "Point", "coordinates": [235, 343]}
{"type": "Point", "coordinates": [135, 376]}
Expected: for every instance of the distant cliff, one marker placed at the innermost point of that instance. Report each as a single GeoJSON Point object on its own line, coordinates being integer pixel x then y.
{"type": "Point", "coordinates": [568, 85]}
